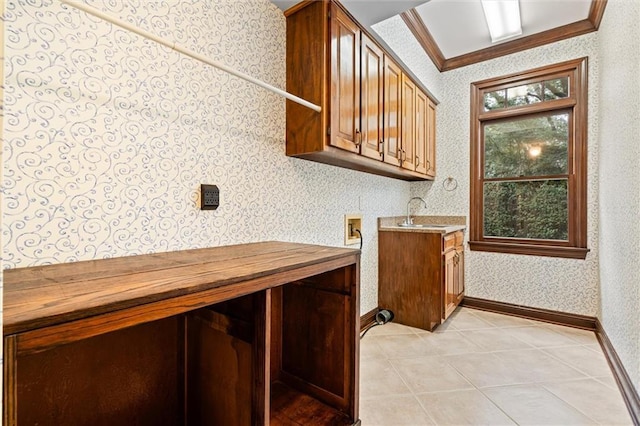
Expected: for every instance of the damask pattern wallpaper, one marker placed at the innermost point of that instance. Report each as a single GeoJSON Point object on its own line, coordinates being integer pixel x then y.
{"type": "Point", "coordinates": [108, 137]}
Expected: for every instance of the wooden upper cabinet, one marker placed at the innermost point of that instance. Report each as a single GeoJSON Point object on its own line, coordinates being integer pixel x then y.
{"type": "Point", "coordinates": [372, 98]}
{"type": "Point", "coordinates": [418, 130]}
{"type": "Point", "coordinates": [392, 111]}
{"type": "Point", "coordinates": [335, 63]}
{"type": "Point", "coordinates": [421, 132]}
{"type": "Point", "coordinates": [345, 82]}
{"type": "Point", "coordinates": [431, 139]}
{"type": "Point", "coordinates": [408, 123]}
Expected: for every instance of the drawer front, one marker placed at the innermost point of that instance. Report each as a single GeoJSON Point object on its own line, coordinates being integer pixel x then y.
{"type": "Point", "coordinates": [452, 240]}
{"type": "Point", "coordinates": [448, 242]}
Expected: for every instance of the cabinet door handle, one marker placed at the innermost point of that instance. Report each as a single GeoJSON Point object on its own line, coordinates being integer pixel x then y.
{"type": "Point", "coordinates": [417, 160]}
{"type": "Point", "coordinates": [381, 146]}
{"type": "Point", "coordinates": [428, 165]}
{"type": "Point", "coordinates": [358, 138]}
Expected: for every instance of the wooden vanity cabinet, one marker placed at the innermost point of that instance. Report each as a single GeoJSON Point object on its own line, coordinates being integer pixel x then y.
{"type": "Point", "coordinates": [421, 275]}
{"type": "Point", "coordinates": [255, 334]}
{"type": "Point", "coordinates": [335, 63]}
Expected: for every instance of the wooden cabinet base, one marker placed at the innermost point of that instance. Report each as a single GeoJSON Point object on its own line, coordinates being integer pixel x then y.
{"type": "Point", "coordinates": [421, 276]}
{"type": "Point", "coordinates": [285, 354]}
{"type": "Point", "coordinates": [292, 407]}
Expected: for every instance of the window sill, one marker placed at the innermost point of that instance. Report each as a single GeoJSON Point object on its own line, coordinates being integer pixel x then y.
{"type": "Point", "coordinates": [530, 249]}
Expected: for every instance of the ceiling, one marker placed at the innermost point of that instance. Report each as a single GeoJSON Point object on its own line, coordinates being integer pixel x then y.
{"type": "Point", "coordinates": [454, 33]}
{"type": "Point", "coordinates": [459, 27]}
{"type": "Point", "coordinates": [367, 12]}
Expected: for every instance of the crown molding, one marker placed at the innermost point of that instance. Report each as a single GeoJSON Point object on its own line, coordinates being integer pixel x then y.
{"type": "Point", "coordinates": [417, 27]}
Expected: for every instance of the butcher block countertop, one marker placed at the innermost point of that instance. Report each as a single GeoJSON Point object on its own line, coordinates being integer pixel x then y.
{"type": "Point", "coordinates": [42, 296]}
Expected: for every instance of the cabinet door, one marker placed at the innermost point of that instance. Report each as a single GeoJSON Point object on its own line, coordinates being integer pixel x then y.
{"type": "Point", "coordinates": [459, 275]}
{"type": "Point", "coordinates": [431, 139]}
{"type": "Point", "coordinates": [345, 82]}
{"type": "Point", "coordinates": [392, 111]}
{"type": "Point", "coordinates": [422, 131]}
{"type": "Point", "coordinates": [371, 105]}
{"type": "Point", "coordinates": [449, 290]}
{"type": "Point", "coordinates": [408, 123]}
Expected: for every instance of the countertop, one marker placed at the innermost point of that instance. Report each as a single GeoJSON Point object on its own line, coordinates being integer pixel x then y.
{"type": "Point", "coordinates": [430, 224]}
{"type": "Point", "coordinates": [42, 296]}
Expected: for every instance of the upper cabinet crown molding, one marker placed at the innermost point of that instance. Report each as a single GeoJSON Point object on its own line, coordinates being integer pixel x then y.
{"type": "Point", "coordinates": [369, 120]}
{"type": "Point", "coordinates": [417, 26]}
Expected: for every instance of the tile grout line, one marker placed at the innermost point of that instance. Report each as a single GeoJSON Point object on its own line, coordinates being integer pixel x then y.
{"type": "Point", "coordinates": [461, 333]}
{"type": "Point", "coordinates": [521, 384]}
{"type": "Point", "coordinates": [569, 404]}
{"type": "Point", "coordinates": [542, 384]}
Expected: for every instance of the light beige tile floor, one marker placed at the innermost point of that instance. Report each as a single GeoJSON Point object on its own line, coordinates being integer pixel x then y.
{"type": "Point", "coordinates": [481, 368]}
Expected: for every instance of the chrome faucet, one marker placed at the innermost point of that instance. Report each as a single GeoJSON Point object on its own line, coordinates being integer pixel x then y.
{"type": "Point", "coordinates": [409, 220]}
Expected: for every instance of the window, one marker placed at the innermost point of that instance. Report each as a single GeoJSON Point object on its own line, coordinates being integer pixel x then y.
{"type": "Point", "coordinates": [529, 162]}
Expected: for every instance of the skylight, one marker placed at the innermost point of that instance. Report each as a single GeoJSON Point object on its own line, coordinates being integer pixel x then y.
{"type": "Point", "coordinates": [503, 18]}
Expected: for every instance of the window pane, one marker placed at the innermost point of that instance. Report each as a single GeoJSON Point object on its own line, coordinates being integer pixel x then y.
{"type": "Point", "coordinates": [556, 89]}
{"type": "Point", "coordinates": [532, 209]}
{"type": "Point", "coordinates": [524, 95]}
{"type": "Point", "coordinates": [527, 146]}
{"type": "Point", "coordinates": [494, 100]}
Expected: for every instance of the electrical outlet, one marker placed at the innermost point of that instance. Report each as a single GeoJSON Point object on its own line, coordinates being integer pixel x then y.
{"type": "Point", "coordinates": [209, 197]}
{"type": "Point", "coordinates": [351, 223]}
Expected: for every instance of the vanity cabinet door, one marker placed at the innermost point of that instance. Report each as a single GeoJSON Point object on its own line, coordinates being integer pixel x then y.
{"type": "Point", "coordinates": [453, 272]}
{"type": "Point", "coordinates": [449, 283]}
{"type": "Point", "coordinates": [459, 275]}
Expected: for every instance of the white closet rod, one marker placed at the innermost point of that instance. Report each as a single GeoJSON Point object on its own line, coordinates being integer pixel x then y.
{"type": "Point", "coordinates": [95, 12]}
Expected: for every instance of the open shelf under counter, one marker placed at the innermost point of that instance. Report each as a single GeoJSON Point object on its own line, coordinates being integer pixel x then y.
{"type": "Point", "coordinates": [253, 334]}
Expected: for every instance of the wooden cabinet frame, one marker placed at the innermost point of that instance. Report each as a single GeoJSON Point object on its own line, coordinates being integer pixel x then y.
{"type": "Point", "coordinates": [421, 275]}
{"type": "Point", "coordinates": [228, 335]}
{"type": "Point", "coordinates": [326, 66]}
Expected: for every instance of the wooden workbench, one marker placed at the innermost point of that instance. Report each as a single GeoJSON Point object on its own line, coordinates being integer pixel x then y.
{"type": "Point", "coordinates": [263, 333]}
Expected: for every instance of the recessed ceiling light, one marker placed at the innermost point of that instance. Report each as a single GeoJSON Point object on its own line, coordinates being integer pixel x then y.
{"type": "Point", "coordinates": [503, 18]}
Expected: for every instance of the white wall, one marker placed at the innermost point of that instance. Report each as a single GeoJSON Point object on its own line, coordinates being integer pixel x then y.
{"type": "Point", "coordinates": [619, 92]}
{"type": "Point", "coordinates": [108, 137]}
